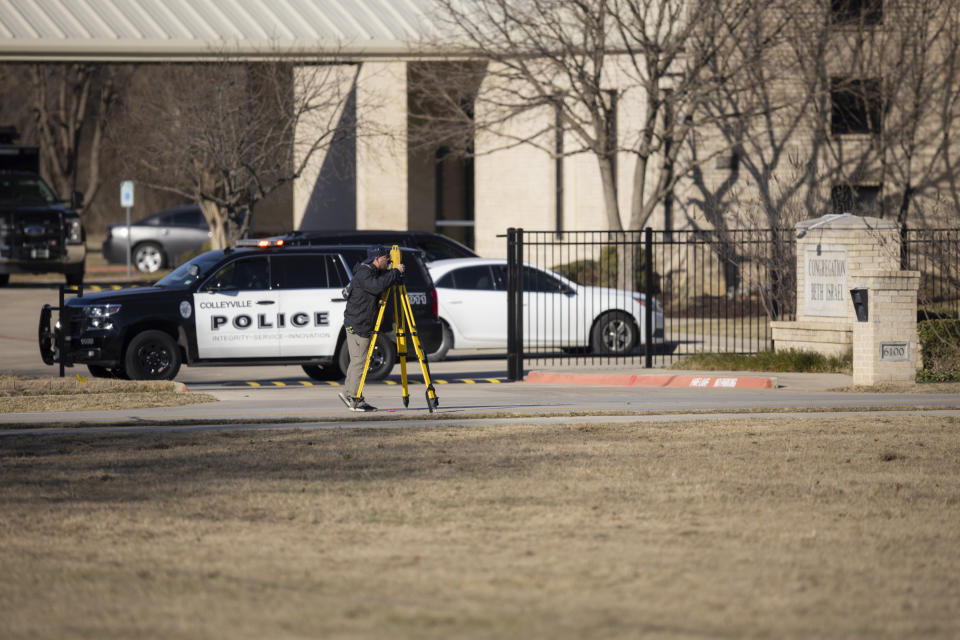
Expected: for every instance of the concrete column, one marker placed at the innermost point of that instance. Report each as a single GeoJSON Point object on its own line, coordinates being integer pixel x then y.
{"type": "Point", "coordinates": [885, 347]}
{"type": "Point", "coordinates": [382, 146]}
{"type": "Point", "coordinates": [515, 183]}
{"type": "Point", "coordinates": [324, 196]}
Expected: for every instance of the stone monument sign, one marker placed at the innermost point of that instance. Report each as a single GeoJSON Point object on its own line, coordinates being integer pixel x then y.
{"type": "Point", "coordinates": [835, 254]}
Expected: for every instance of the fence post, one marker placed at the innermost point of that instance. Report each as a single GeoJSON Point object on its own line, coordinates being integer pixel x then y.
{"type": "Point", "coordinates": [904, 249]}
{"type": "Point", "coordinates": [648, 293]}
{"type": "Point", "coordinates": [514, 304]}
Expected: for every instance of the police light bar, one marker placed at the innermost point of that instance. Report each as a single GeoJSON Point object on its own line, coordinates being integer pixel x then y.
{"type": "Point", "coordinates": [262, 244]}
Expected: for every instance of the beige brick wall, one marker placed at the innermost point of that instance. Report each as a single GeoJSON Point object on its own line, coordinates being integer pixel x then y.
{"type": "Point", "coordinates": [892, 318]}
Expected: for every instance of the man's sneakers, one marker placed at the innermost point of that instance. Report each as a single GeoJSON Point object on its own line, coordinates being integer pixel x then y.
{"type": "Point", "coordinates": [356, 404]}
{"type": "Point", "coordinates": [361, 405]}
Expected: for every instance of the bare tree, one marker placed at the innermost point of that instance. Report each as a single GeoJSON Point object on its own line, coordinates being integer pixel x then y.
{"type": "Point", "coordinates": [581, 59]}
{"type": "Point", "coordinates": [227, 134]}
{"type": "Point", "coordinates": [902, 71]}
{"type": "Point", "coordinates": [71, 104]}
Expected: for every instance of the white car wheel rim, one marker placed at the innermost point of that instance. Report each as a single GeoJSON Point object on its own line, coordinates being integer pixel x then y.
{"type": "Point", "coordinates": [617, 335]}
{"type": "Point", "coordinates": [148, 260]}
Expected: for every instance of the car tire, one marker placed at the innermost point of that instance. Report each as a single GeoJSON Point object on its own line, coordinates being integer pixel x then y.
{"type": "Point", "coordinates": [446, 343]}
{"type": "Point", "coordinates": [615, 333]}
{"type": "Point", "coordinates": [381, 363]}
{"type": "Point", "coordinates": [148, 257]}
{"type": "Point", "coordinates": [74, 278]}
{"type": "Point", "coordinates": [152, 355]}
{"type": "Point", "coordinates": [328, 372]}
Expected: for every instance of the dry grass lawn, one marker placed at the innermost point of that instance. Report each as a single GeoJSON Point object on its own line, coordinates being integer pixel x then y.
{"type": "Point", "coordinates": [791, 528]}
{"type": "Point", "coordinates": [76, 393]}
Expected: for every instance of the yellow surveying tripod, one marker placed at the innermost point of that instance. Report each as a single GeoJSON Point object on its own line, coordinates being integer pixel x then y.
{"type": "Point", "coordinates": [403, 316]}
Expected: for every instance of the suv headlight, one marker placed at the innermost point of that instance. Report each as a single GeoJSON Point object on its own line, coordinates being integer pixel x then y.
{"type": "Point", "coordinates": [97, 316]}
{"type": "Point", "coordinates": [74, 231]}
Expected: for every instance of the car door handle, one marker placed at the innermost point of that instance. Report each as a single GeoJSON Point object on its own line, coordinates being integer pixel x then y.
{"type": "Point", "coordinates": [338, 299]}
{"type": "Point", "coordinates": [456, 301]}
{"type": "Point", "coordinates": [265, 301]}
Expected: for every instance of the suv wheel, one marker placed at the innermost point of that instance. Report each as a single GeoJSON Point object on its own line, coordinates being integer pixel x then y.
{"type": "Point", "coordinates": [152, 355]}
{"type": "Point", "coordinates": [148, 257]}
{"type": "Point", "coordinates": [381, 362]}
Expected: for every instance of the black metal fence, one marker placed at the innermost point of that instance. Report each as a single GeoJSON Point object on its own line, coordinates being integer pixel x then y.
{"type": "Point", "coordinates": [644, 298]}
{"type": "Point", "coordinates": [935, 253]}
{"type": "Point", "coordinates": [581, 297]}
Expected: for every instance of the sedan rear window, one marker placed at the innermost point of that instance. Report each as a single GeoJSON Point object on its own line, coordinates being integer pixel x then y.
{"type": "Point", "coordinates": [477, 278]}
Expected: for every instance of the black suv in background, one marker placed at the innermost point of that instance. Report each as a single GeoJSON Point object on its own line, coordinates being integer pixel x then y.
{"type": "Point", "coordinates": [39, 232]}
{"type": "Point", "coordinates": [264, 305]}
{"type": "Point", "coordinates": [435, 246]}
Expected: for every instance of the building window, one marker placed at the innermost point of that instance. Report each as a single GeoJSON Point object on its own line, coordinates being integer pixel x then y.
{"type": "Point", "coordinates": [856, 106]}
{"type": "Point", "coordinates": [856, 11]}
{"type": "Point", "coordinates": [859, 199]}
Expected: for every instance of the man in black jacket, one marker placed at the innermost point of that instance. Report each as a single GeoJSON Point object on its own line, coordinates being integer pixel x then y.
{"type": "Point", "coordinates": [370, 279]}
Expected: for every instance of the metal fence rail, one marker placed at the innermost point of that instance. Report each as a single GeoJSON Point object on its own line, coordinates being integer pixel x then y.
{"type": "Point", "coordinates": [575, 295]}
{"type": "Point", "coordinates": [935, 253]}
{"type": "Point", "coordinates": [582, 296]}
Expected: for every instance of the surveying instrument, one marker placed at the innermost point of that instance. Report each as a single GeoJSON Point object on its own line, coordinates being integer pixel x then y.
{"type": "Point", "coordinates": [403, 316]}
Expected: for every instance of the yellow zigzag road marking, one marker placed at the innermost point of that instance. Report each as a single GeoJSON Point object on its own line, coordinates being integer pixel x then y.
{"type": "Point", "coordinates": [393, 383]}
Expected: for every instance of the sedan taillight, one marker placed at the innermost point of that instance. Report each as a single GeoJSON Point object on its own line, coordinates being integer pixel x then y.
{"type": "Point", "coordinates": [434, 303]}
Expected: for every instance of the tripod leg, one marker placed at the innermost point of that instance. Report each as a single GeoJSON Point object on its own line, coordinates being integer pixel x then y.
{"type": "Point", "coordinates": [400, 319]}
{"type": "Point", "coordinates": [373, 343]}
{"type": "Point", "coordinates": [431, 394]}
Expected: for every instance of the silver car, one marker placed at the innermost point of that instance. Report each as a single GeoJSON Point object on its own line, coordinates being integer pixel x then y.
{"type": "Point", "coordinates": [158, 240]}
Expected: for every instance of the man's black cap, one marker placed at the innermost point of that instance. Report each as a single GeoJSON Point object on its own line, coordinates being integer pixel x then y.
{"type": "Point", "coordinates": [375, 252]}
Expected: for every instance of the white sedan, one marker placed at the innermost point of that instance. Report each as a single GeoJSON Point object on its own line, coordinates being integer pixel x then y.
{"type": "Point", "coordinates": [557, 313]}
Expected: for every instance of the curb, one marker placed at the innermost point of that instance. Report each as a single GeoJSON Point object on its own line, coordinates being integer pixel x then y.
{"type": "Point", "coordinates": [629, 380]}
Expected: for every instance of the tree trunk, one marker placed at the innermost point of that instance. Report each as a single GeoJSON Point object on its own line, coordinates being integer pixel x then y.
{"type": "Point", "coordinates": [219, 233]}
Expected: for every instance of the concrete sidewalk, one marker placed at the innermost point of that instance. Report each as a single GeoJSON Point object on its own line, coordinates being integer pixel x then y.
{"type": "Point", "coordinates": [469, 361]}
{"type": "Point", "coordinates": [691, 379]}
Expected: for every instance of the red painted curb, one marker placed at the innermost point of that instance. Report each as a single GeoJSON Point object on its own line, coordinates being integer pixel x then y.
{"type": "Point", "coordinates": [628, 380]}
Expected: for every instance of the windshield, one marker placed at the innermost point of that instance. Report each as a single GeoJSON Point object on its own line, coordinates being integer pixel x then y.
{"type": "Point", "coordinates": [185, 275]}
{"type": "Point", "coordinates": [25, 189]}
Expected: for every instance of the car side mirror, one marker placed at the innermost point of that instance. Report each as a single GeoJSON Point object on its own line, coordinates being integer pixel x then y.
{"type": "Point", "coordinates": [76, 200]}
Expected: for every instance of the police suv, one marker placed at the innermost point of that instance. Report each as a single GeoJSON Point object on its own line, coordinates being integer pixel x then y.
{"type": "Point", "coordinates": [267, 304]}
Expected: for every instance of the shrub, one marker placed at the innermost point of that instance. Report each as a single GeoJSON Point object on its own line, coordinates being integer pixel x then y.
{"type": "Point", "coordinates": [793, 360]}
{"type": "Point", "coordinates": [940, 347]}
{"type": "Point", "coordinates": [602, 272]}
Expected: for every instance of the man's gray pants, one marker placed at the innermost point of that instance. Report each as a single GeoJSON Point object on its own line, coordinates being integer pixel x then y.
{"type": "Point", "coordinates": [357, 347]}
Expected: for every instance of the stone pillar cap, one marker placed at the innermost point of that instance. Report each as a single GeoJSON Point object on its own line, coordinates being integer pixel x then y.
{"type": "Point", "coordinates": [844, 221]}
